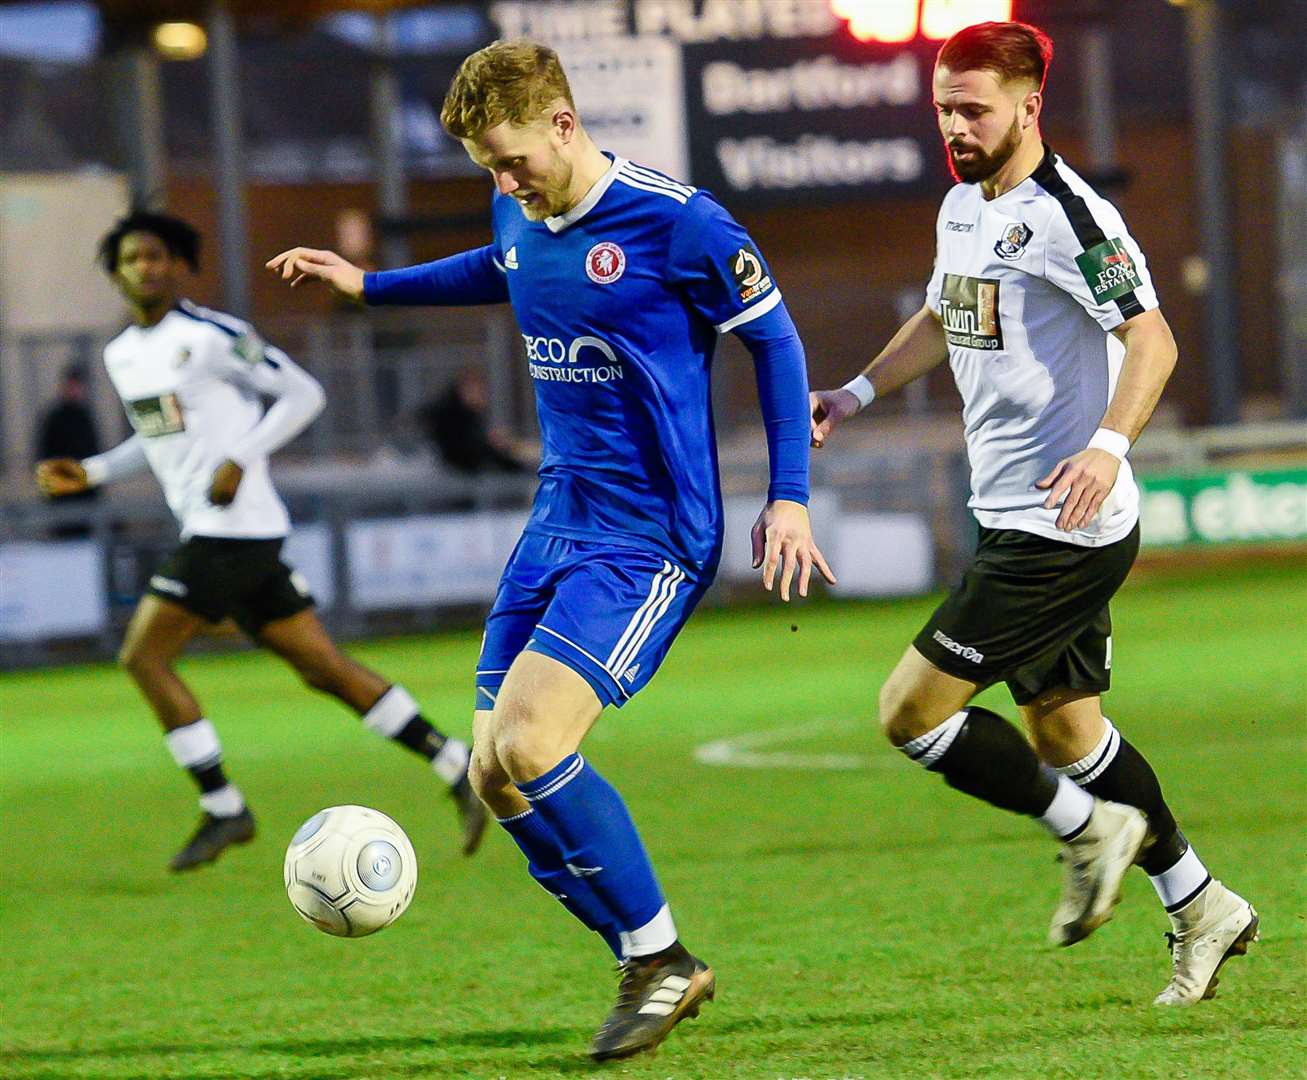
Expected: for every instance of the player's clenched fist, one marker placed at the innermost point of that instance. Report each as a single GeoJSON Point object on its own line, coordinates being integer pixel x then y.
{"type": "Point", "coordinates": [829, 408]}
{"type": "Point", "coordinates": [61, 476]}
{"type": "Point", "coordinates": [310, 264]}
{"type": "Point", "coordinates": [226, 480]}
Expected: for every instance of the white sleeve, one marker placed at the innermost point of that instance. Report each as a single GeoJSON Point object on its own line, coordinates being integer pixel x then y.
{"type": "Point", "coordinates": [117, 463]}
{"type": "Point", "coordinates": [1098, 262]}
{"type": "Point", "coordinates": [299, 397]}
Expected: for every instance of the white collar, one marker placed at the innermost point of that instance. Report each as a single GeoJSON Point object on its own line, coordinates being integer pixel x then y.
{"type": "Point", "coordinates": [562, 221]}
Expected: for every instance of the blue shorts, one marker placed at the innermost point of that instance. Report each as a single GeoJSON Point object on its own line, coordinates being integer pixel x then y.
{"type": "Point", "coordinates": [609, 613]}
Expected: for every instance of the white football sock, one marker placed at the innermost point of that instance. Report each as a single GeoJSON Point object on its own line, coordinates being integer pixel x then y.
{"type": "Point", "coordinates": [225, 802]}
{"type": "Point", "coordinates": [657, 934]}
{"type": "Point", "coordinates": [1182, 882]}
{"type": "Point", "coordinates": [391, 712]}
{"type": "Point", "coordinates": [1069, 811]}
{"type": "Point", "coordinates": [451, 763]}
{"type": "Point", "coordinates": [195, 745]}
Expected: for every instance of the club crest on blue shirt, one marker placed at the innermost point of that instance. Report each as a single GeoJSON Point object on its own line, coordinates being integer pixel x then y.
{"type": "Point", "coordinates": [604, 263]}
{"type": "Point", "coordinates": [1015, 238]}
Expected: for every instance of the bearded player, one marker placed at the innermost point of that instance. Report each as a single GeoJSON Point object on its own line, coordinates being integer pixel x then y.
{"type": "Point", "coordinates": [1042, 304]}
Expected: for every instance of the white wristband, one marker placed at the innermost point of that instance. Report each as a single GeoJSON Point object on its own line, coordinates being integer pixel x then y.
{"type": "Point", "coordinates": [860, 387]}
{"type": "Point", "coordinates": [96, 471]}
{"type": "Point", "coordinates": [1113, 442]}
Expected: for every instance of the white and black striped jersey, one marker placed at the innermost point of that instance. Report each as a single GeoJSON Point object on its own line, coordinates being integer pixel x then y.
{"type": "Point", "coordinates": [192, 386]}
{"type": "Point", "coordinates": [1029, 286]}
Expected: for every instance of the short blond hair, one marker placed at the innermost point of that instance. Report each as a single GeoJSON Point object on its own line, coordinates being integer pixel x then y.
{"type": "Point", "coordinates": [514, 81]}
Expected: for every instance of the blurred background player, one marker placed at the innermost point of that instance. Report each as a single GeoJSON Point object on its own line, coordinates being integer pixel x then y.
{"type": "Point", "coordinates": [191, 380]}
{"type": "Point", "coordinates": [621, 280]}
{"type": "Point", "coordinates": [1043, 305]}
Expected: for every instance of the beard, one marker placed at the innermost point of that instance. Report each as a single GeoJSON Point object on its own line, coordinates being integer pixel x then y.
{"type": "Point", "coordinates": [983, 165]}
{"type": "Point", "coordinates": [552, 196]}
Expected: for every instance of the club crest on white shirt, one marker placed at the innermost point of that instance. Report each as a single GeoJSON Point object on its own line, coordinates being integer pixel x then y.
{"type": "Point", "coordinates": [1014, 240]}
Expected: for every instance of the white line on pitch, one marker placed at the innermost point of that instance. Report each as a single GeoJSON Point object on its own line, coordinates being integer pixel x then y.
{"type": "Point", "coordinates": [752, 750]}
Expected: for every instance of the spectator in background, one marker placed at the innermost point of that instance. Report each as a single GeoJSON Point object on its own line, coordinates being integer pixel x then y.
{"type": "Point", "coordinates": [457, 425]}
{"type": "Point", "coordinates": [68, 426]}
{"type": "Point", "coordinates": [67, 430]}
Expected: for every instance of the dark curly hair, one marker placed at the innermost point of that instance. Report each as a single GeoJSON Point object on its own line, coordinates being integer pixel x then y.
{"type": "Point", "coordinates": [180, 238]}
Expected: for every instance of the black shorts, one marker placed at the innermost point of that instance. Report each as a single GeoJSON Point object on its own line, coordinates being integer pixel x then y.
{"type": "Point", "coordinates": [1031, 612]}
{"type": "Point", "coordinates": [215, 577]}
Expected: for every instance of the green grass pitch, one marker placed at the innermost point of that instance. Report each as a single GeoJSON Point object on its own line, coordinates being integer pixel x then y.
{"type": "Point", "coordinates": [864, 921]}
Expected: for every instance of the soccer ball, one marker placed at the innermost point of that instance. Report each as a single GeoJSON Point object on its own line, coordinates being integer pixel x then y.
{"type": "Point", "coordinates": [350, 871]}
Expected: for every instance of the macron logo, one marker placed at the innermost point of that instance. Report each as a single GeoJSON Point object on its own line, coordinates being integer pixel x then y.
{"type": "Point", "coordinates": [510, 259]}
{"type": "Point", "coordinates": [168, 585]}
{"type": "Point", "coordinates": [964, 651]}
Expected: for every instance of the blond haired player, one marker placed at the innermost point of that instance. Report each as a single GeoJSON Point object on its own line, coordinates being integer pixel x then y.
{"type": "Point", "coordinates": [622, 279]}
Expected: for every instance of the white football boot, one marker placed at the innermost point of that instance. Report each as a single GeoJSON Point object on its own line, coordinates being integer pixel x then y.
{"type": "Point", "coordinates": [1094, 864]}
{"type": "Point", "coordinates": [1216, 925]}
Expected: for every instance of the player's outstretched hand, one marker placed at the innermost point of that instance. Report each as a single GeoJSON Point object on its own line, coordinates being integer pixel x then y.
{"type": "Point", "coordinates": [310, 264]}
{"type": "Point", "coordinates": [829, 408]}
{"type": "Point", "coordinates": [61, 476]}
{"type": "Point", "coordinates": [226, 480]}
{"type": "Point", "coordinates": [782, 538]}
{"type": "Point", "coordinates": [1080, 483]}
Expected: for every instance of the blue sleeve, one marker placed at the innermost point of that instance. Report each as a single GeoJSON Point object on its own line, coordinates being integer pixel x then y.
{"type": "Point", "coordinates": [782, 374]}
{"type": "Point", "coordinates": [717, 268]}
{"type": "Point", "coordinates": [471, 277]}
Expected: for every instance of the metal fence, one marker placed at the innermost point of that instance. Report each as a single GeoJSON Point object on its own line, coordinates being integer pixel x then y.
{"type": "Point", "coordinates": [378, 369]}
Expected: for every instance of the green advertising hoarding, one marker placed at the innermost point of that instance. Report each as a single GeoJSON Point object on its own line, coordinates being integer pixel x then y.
{"type": "Point", "coordinates": [1224, 507]}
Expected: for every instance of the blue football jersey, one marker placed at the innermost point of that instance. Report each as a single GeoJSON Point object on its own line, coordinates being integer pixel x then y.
{"type": "Point", "coordinates": [620, 302]}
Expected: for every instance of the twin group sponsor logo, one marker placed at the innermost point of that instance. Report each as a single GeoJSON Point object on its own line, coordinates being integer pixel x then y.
{"type": "Point", "coordinates": [968, 308]}
{"type": "Point", "coordinates": [550, 359]}
{"type": "Point", "coordinates": [157, 416]}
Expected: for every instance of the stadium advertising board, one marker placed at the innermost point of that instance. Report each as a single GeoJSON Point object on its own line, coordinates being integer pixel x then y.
{"type": "Point", "coordinates": [629, 92]}
{"type": "Point", "coordinates": [399, 563]}
{"type": "Point", "coordinates": [1224, 507]}
{"type": "Point", "coordinates": [52, 590]}
{"type": "Point", "coordinates": [809, 118]}
{"type": "Point", "coordinates": [777, 100]}
{"type": "Point", "coordinates": [874, 554]}
{"type": "Point", "coordinates": [308, 553]}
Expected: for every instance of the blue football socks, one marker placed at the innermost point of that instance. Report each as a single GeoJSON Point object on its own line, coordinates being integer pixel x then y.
{"type": "Point", "coordinates": [544, 854]}
{"type": "Point", "coordinates": [600, 845]}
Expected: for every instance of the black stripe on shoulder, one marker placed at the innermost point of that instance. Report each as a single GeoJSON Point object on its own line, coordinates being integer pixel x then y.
{"type": "Point", "coordinates": [1086, 229]}
{"type": "Point", "coordinates": [191, 313]}
{"type": "Point", "coordinates": [1075, 208]}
